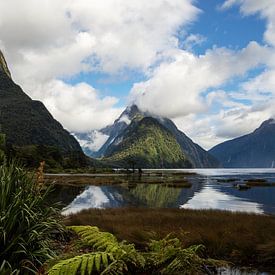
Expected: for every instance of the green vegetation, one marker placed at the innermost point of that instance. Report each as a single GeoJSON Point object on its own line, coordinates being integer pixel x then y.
{"type": "Point", "coordinates": [147, 143]}
{"type": "Point", "coordinates": [164, 256]}
{"type": "Point", "coordinates": [3, 65]}
{"type": "Point", "coordinates": [31, 232]}
{"type": "Point", "coordinates": [27, 221]}
{"type": "Point", "coordinates": [259, 182]}
{"type": "Point", "coordinates": [141, 241]}
{"type": "Point", "coordinates": [241, 238]}
{"type": "Point", "coordinates": [31, 131]}
{"type": "Point", "coordinates": [155, 195]}
{"type": "Point", "coordinates": [2, 146]}
{"type": "Point", "coordinates": [111, 256]}
{"type": "Point", "coordinates": [32, 155]}
{"type": "Point", "coordinates": [101, 176]}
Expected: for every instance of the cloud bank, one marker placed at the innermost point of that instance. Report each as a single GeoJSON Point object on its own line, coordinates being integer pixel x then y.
{"type": "Point", "coordinates": [48, 41]}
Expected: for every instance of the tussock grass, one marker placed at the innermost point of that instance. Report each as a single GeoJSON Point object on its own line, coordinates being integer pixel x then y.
{"type": "Point", "coordinates": [244, 239]}
{"type": "Point", "coordinates": [27, 221]}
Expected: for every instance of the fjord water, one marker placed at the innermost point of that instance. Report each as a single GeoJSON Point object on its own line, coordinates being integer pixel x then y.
{"type": "Point", "coordinates": [209, 190]}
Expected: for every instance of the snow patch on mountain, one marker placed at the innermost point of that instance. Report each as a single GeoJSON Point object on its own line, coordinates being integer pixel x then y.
{"type": "Point", "coordinates": [92, 141]}
{"type": "Point", "coordinates": [125, 119]}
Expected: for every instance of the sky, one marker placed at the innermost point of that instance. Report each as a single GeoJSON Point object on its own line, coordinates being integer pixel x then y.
{"type": "Point", "coordinates": [207, 65]}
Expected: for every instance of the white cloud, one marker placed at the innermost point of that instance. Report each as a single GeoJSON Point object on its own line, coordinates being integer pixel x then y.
{"type": "Point", "coordinates": [114, 34]}
{"type": "Point", "coordinates": [217, 127]}
{"type": "Point", "coordinates": [55, 39]}
{"type": "Point", "coordinates": [94, 140]}
{"type": "Point", "coordinates": [78, 107]}
{"type": "Point", "coordinates": [176, 88]}
{"type": "Point", "coordinates": [192, 40]}
{"type": "Point", "coordinates": [260, 87]}
{"type": "Point", "coordinates": [132, 33]}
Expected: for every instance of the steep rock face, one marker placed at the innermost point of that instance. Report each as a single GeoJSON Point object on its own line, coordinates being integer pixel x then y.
{"type": "Point", "coordinates": [27, 122]}
{"type": "Point", "coordinates": [255, 150]}
{"type": "Point", "coordinates": [196, 155]}
{"type": "Point", "coordinates": [3, 65]}
{"type": "Point", "coordinates": [147, 144]}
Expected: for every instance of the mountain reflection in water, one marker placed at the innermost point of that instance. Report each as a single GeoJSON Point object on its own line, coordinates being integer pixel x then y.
{"type": "Point", "coordinates": [206, 193]}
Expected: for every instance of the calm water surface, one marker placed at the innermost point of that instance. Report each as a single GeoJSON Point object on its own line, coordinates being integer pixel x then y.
{"type": "Point", "coordinates": [207, 192]}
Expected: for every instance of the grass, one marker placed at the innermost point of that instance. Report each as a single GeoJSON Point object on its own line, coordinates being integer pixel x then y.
{"type": "Point", "coordinates": [28, 223]}
{"type": "Point", "coordinates": [80, 180]}
{"type": "Point", "coordinates": [244, 239]}
{"type": "Point", "coordinates": [259, 182]}
{"type": "Point", "coordinates": [169, 179]}
{"type": "Point", "coordinates": [227, 180]}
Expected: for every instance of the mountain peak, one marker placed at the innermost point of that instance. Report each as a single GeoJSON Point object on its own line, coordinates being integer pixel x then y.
{"type": "Point", "coordinates": [131, 111]}
{"type": "Point", "coordinates": [3, 65]}
{"type": "Point", "coordinates": [254, 150]}
{"type": "Point", "coordinates": [270, 121]}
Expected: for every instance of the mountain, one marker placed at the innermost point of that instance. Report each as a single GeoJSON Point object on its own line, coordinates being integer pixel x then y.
{"type": "Point", "coordinates": [30, 129]}
{"type": "Point", "coordinates": [95, 143]}
{"type": "Point", "coordinates": [147, 144]}
{"type": "Point", "coordinates": [255, 150]}
{"type": "Point", "coordinates": [197, 156]}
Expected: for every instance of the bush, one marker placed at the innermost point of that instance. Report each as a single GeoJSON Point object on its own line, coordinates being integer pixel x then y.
{"type": "Point", "coordinates": [27, 222]}
{"type": "Point", "coordinates": [2, 146]}
{"type": "Point", "coordinates": [109, 256]}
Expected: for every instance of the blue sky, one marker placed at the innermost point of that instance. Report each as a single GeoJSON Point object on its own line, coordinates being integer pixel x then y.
{"type": "Point", "coordinates": [227, 28]}
{"type": "Point", "coordinates": [220, 28]}
{"type": "Point", "coordinates": [207, 65]}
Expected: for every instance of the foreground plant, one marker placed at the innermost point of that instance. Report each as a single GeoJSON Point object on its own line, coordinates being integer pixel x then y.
{"type": "Point", "coordinates": [26, 221]}
{"type": "Point", "coordinates": [109, 256]}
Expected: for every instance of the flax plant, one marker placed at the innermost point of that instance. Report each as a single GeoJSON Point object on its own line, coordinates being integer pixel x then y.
{"type": "Point", "coordinates": [27, 222]}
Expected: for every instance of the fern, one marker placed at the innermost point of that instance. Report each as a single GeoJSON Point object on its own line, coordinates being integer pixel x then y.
{"type": "Point", "coordinates": [112, 257]}
{"type": "Point", "coordinates": [168, 257]}
{"type": "Point", "coordinates": [93, 237]}
{"type": "Point", "coordinates": [84, 264]}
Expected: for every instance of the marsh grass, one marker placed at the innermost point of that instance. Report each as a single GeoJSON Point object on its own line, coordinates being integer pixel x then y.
{"type": "Point", "coordinates": [244, 239]}
{"type": "Point", "coordinates": [259, 182]}
{"type": "Point", "coordinates": [169, 180]}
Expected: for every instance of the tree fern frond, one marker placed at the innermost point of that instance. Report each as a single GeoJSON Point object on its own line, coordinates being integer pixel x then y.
{"type": "Point", "coordinates": [86, 264]}
{"type": "Point", "coordinates": [90, 265]}
{"type": "Point", "coordinates": [116, 268]}
{"type": "Point", "coordinates": [95, 238]}
{"type": "Point", "coordinates": [120, 252]}
{"type": "Point", "coordinates": [97, 261]}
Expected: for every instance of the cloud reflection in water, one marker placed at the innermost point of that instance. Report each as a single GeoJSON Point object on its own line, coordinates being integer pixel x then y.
{"type": "Point", "coordinates": [210, 198]}
{"type": "Point", "coordinates": [92, 197]}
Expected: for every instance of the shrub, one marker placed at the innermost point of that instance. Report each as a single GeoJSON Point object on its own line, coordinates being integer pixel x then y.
{"type": "Point", "coordinates": [113, 257]}
{"type": "Point", "coordinates": [26, 221]}
{"type": "Point", "coordinates": [2, 146]}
